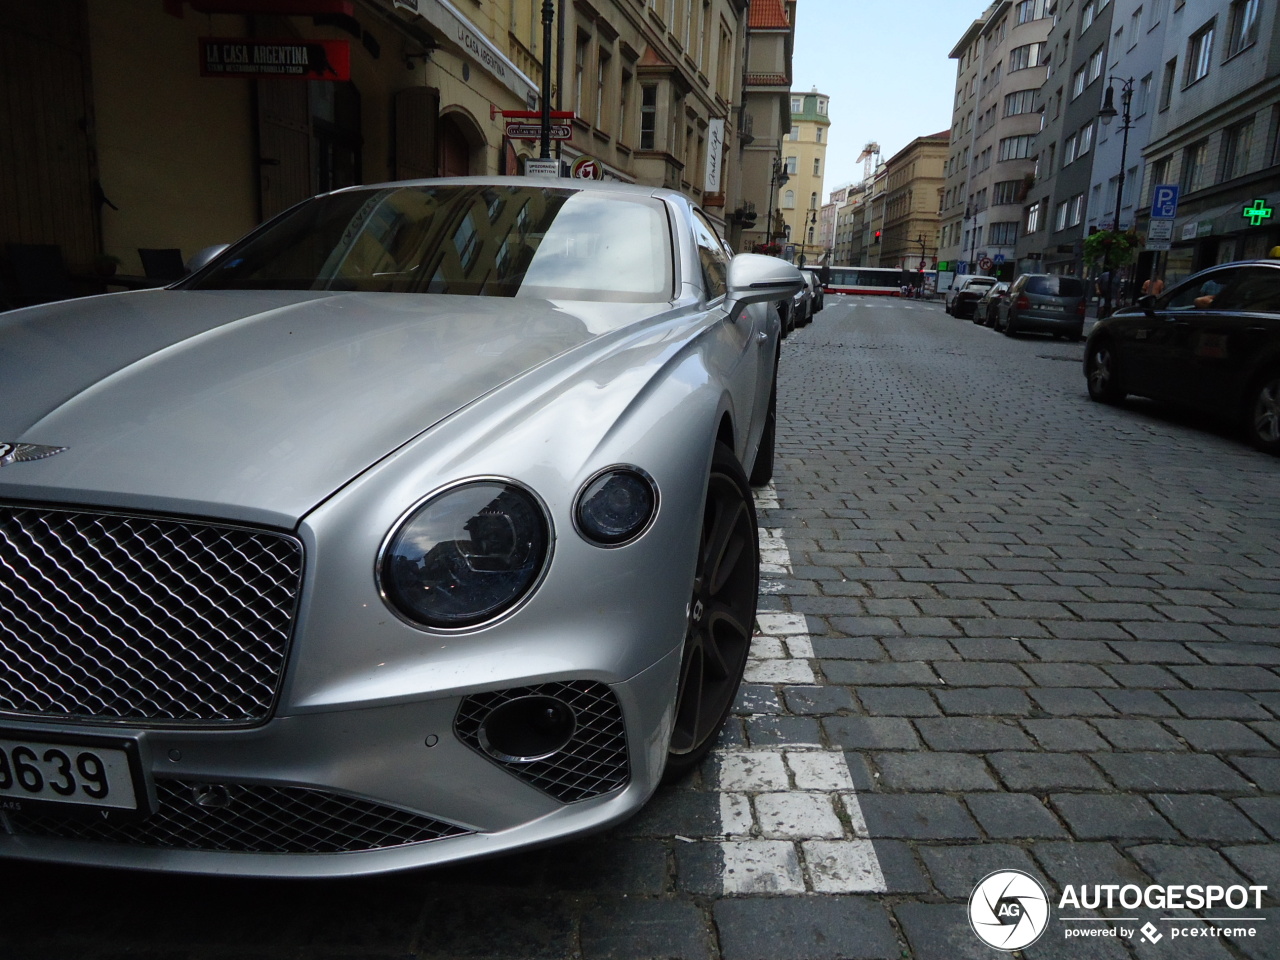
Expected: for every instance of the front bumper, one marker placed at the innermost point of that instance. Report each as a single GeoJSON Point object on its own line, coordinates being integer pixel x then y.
{"type": "Point", "coordinates": [358, 791]}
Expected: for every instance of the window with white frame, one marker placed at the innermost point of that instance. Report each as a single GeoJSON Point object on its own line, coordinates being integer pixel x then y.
{"type": "Point", "coordinates": [1006, 192]}
{"type": "Point", "coordinates": [817, 167]}
{"type": "Point", "coordinates": [1166, 84]}
{"type": "Point", "coordinates": [1242, 28]}
{"type": "Point", "coordinates": [1060, 216]}
{"type": "Point", "coordinates": [1033, 217]}
{"type": "Point", "coordinates": [1135, 26]}
{"type": "Point", "coordinates": [1095, 65]}
{"type": "Point", "coordinates": [1086, 138]}
{"type": "Point", "coordinates": [1029, 55]}
{"type": "Point", "coordinates": [818, 135]}
{"type": "Point", "coordinates": [1003, 234]}
{"type": "Point", "coordinates": [797, 104]}
{"type": "Point", "coordinates": [1069, 150]}
{"type": "Point", "coordinates": [1028, 10]}
{"type": "Point", "coordinates": [1087, 14]}
{"type": "Point", "coordinates": [791, 166]}
{"type": "Point", "coordinates": [1199, 54]}
{"type": "Point", "coordinates": [1078, 82]}
{"type": "Point", "coordinates": [1237, 144]}
{"type": "Point", "coordinates": [1077, 210]}
{"type": "Point", "coordinates": [1018, 102]}
{"type": "Point", "coordinates": [1015, 148]}
{"type": "Point", "coordinates": [1195, 166]}
{"type": "Point", "coordinates": [789, 200]}
{"type": "Point", "coordinates": [1142, 98]}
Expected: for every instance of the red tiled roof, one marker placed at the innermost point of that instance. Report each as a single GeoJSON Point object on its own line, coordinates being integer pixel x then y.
{"type": "Point", "coordinates": [768, 15]}
{"type": "Point", "coordinates": [767, 80]}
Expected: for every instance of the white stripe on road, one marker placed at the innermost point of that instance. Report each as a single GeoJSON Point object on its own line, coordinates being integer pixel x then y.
{"type": "Point", "coordinates": [790, 821]}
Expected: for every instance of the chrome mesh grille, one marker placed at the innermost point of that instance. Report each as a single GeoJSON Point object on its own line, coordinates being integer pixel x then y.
{"type": "Point", "coordinates": [142, 619]}
{"type": "Point", "coordinates": [592, 763]}
{"type": "Point", "coordinates": [247, 818]}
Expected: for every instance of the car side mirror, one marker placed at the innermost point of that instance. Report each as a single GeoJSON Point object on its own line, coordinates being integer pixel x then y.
{"type": "Point", "coordinates": [755, 278]}
{"type": "Point", "coordinates": [203, 257]}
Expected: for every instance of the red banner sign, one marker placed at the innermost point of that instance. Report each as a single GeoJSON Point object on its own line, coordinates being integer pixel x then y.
{"type": "Point", "coordinates": [242, 58]}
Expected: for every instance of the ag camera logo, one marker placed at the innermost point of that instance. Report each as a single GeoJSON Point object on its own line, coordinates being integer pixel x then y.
{"type": "Point", "coordinates": [1009, 910]}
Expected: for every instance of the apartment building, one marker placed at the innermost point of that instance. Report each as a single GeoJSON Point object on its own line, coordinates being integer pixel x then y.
{"type": "Point", "coordinates": [804, 158]}
{"type": "Point", "coordinates": [914, 185]}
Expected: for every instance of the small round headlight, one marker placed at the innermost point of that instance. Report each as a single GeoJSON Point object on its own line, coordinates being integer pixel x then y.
{"type": "Point", "coordinates": [466, 555]}
{"type": "Point", "coordinates": [616, 506]}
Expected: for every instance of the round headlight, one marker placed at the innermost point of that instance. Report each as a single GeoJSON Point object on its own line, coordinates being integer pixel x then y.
{"type": "Point", "coordinates": [616, 506]}
{"type": "Point", "coordinates": [466, 555]}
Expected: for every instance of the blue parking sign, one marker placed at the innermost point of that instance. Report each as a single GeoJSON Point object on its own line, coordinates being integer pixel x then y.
{"type": "Point", "coordinates": [1164, 202]}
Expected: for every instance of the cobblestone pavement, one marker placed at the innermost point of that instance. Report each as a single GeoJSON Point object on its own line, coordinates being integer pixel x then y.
{"type": "Point", "coordinates": [1003, 628]}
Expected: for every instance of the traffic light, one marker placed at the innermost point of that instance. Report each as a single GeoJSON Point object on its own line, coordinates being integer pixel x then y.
{"type": "Point", "coordinates": [877, 240]}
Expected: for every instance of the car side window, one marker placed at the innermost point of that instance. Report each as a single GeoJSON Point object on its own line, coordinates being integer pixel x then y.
{"type": "Point", "coordinates": [1256, 289]}
{"type": "Point", "coordinates": [711, 255]}
{"type": "Point", "coordinates": [1199, 293]}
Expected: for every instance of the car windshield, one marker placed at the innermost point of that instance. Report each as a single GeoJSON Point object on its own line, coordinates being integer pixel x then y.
{"type": "Point", "coordinates": [473, 240]}
{"type": "Point", "coordinates": [1053, 286]}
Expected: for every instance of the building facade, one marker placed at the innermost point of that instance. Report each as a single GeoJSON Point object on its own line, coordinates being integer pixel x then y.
{"type": "Point", "coordinates": [154, 133]}
{"type": "Point", "coordinates": [914, 184]}
{"type": "Point", "coordinates": [804, 158]}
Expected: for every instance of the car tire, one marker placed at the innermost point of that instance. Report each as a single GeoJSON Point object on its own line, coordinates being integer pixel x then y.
{"type": "Point", "coordinates": [1009, 329]}
{"type": "Point", "coordinates": [722, 616]}
{"type": "Point", "coordinates": [1101, 374]}
{"type": "Point", "coordinates": [1263, 412]}
{"type": "Point", "coordinates": [762, 469]}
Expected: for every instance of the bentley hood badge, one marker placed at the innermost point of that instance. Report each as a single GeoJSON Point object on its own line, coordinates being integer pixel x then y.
{"type": "Point", "coordinates": [22, 452]}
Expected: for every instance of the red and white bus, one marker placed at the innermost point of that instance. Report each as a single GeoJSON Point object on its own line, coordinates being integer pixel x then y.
{"type": "Point", "coordinates": [875, 281]}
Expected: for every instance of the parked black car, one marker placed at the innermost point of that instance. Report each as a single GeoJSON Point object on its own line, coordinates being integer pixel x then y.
{"type": "Point", "coordinates": [1212, 342]}
{"type": "Point", "coordinates": [1043, 303]}
{"type": "Point", "coordinates": [984, 311]}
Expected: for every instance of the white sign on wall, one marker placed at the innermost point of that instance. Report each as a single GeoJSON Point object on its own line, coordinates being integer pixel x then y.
{"type": "Point", "coordinates": [715, 152]}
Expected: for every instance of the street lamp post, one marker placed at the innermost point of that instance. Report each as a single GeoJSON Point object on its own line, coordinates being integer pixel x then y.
{"type": "Point", "coordinates": [1106, 115]}
{"type": "Point", "coordinates": [548, 18]}
{"type": "Point", "coordinates": [810, 222]}
{"type": "Point", "coordinates": [777, 180]}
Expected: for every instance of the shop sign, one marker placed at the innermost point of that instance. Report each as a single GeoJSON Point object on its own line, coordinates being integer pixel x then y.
{"type": "Point", "coordinates": [535, 167]}
{"type": "Point", "coordinates": [1190, 230]}
{"type": "Point", "coordinates": [715, 151]}
{"type": "Point", "coordinates": [244, 59]}
{"type": "Point", "coordinates": [1257, 213]}
{"type": "Point", "coordinates": [587, 168]}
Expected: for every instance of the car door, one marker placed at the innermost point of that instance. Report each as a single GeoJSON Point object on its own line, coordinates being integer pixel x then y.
{"type": "Point", "coordinates": [749, 335]}
{"type": "Point", "coordinates": [1227, 338]}
{"type": "Point", "coordinates": [1157, 347]}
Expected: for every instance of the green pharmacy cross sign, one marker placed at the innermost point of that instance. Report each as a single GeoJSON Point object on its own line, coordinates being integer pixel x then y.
{"type": "Point", "coordinates": [1257, 212]}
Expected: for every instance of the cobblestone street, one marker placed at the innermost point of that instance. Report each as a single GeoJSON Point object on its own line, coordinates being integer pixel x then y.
{"type": "Point", "coordinates": [1002, 628]}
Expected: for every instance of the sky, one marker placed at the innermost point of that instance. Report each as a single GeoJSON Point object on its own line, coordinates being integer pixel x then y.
{"type": "Point", "coordinates": [885, 65]}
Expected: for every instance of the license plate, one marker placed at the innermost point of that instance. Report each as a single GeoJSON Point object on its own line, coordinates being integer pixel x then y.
{"type": "Point", "coordinates": [83, 772]}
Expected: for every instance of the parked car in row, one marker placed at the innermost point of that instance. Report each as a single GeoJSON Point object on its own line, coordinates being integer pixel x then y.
{"type": "Point", "coordinates": [1043, 303]}
{"type": "Point", "coordinates": [1211, 343]}
{"type": "Point", "coordinates": [415, 526]}
{"type": "Point", "coordinates": [984, 311]}
{"type": "Point", "coordinates": [815, 289]}
{"type": "Point", "coordinates": [964, 292]}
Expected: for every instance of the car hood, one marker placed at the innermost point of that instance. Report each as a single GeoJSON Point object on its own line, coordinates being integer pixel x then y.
{"type": "Point", "coordinates": [249, 404]}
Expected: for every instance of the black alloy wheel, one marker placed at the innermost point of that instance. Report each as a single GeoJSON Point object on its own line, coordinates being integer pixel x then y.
{"type": "Point", "coordinates": [722, 613]}
{"type": "Point", "coordinates": [1264, 412]}
{"type": "Point", "coordinates": [1101, 373]}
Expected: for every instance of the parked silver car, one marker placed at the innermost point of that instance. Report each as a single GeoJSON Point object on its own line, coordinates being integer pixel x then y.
{"type": "Point", "coordinates": [416, 526]}
{"type": "Point", "coordinates": [1043, 303]}
{"type": "Point", "coordinates": [965, 291]}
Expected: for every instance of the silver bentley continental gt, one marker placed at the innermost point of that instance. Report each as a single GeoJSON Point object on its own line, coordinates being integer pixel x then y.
{"type": "Point", "coordinates": [413, 527]}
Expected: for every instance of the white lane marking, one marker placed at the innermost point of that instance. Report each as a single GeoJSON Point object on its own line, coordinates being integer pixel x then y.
{"type": "Point", "coordinates": [790, 821]}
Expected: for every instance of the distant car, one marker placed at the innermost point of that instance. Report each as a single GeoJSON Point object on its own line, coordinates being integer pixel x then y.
{"type": "Point", "coordinates": [1212, 342]}
{"type": "Point", "coordinates": [802, 305]}
{"type": "Point", "coordinates": [1043, 303]}
{"type": "Point", "coordinates": [984, 311]}
{"type": "Point", "coordinates": [815, 289]}
{"type": "Point", "coordinates": [964, 292]}
{"type": "Point", "coordinates": [414, 527]}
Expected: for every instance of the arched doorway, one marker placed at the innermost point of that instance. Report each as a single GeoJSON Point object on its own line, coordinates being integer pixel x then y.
{"type": "Point", "coordinates": [461, 146]}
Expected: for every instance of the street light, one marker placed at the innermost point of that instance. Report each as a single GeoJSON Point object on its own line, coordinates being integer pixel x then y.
{"type": "Point", "coordinates": [778, 178]}
{"type": "Point", "coordinates": [548, 17]}
{"type": "Point", "coordinates": [812, 222]}
{"type": "Point", "coordinates": [1106, 115]}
